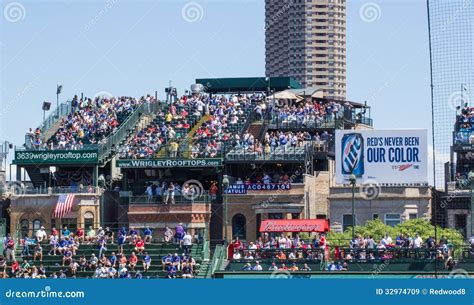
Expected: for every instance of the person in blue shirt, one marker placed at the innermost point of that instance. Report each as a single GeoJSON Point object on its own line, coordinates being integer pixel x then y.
{"type": "Point", "coordinates": [65, 232]}
{"type": "Point", "coordinates": [176, 261]}
{"type": "Point", "coordinates": [148, 235]}
{"type": "Point", "coordinates": [26, 246]}
{"type": "Point", "coordinates": [146, 262]}
{"type": "Point", "coordinates": [62, 245]}
{"type": "Point", "coordinates": [133, 234]}
{"type": "Point", "coordinates": [172, 272]}
{"type": "Point", "coordinates": [166, 261]}
{"type": "Point", "coordinates": [113, 259]}
{"type": "Point", "coordinates": [138, 275]}
{"type": "Point", "coordinates": [247, 267]}
{"type": "Point", "coordinates": [121, 241]}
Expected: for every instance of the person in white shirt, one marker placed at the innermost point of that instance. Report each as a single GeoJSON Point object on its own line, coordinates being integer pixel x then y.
{"type": "Point", "coordinates": [417, 242]}
{"type": "Point", "coordinates": [41, 235]}
{"type": "Point", "coordinates": [282, 242]}
{"type": "Point", "coordinates": [187, 242]}
{"type": "Point", "coordinates": [257, 266]}
{"type": "Point", "coordinates": [237, 255]}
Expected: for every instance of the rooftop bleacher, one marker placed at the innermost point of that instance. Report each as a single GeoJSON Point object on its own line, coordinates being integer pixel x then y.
{"type": "Point", "coordinates": [87, 249]}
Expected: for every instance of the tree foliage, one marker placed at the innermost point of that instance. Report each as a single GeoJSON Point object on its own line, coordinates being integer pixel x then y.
{"type": "Point", "coordinates": [377, 229]}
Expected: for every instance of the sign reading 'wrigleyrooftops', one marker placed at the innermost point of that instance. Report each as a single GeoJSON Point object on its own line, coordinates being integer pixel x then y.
{"type": "Point", "coordinates": [56, 157]}
{"type": "Point", "coordinates": [169, 163]}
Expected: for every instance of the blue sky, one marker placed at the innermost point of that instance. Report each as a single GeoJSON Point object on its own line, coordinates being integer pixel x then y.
{"type": "Point", "coordinates": [136, 47]}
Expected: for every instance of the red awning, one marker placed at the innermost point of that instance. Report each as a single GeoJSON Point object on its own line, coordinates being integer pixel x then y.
{"type": "Point", "coordinates": [294, 225]}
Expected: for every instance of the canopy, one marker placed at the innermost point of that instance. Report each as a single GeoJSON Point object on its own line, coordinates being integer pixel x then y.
{"type": "Point", "coordinates": [294, 225]}
{"type": "Point", "coordinates": [284, 95]}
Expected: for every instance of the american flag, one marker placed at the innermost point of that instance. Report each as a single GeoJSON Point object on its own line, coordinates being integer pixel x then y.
{"type": "Point", "coordinates": [64, 205]}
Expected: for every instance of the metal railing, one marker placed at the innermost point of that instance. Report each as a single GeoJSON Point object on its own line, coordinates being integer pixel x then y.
{"type": "Point", "coordinates": [112, 141]}
{"type": "Point", "coordinates": [21, 191]}
{"type": "Point", "coordinates": [287, 153]}
{"type": "Point", "coordinates": [358, 254]}
{"type": "Point", "coordinates": [63, 109]}
{"type": "Point", "coordinates": [300, 124]}
{"type": "Point", "coordinates": [165, 199]}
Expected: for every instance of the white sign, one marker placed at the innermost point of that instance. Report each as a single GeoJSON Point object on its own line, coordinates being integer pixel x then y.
{"type": "Point", "coordinates": [382, 156]}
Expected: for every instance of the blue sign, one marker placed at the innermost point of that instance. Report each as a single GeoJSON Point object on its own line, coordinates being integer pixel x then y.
{"type": "Point", "coordinates": [211, 291]}
{"type": "Point", "coordinates": [243, 188]}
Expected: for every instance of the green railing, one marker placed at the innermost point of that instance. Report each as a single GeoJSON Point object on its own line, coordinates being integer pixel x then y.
{"type": "Point", "coordinates": [113, 141]}
{"type": "Point", "coordinates": [218, 259]}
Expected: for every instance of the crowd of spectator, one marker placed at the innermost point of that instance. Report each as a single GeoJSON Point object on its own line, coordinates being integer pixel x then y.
{"type": "Point", "coordinates": [90, 122]}
{"type": "Point", "coordinates": [306, 112]}
{"type": "Point", "coordinates": [65, 244]}
{"type": "Point", "coordinates": [293, 249]}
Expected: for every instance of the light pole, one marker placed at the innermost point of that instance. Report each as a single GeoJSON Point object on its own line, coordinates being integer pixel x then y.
{"type": "Point", "coordinates": [471, 178]}
{"type": "Point", "coordinates": [59, 88]}
{"type": "Point", "coordinates": [352, 179]}
{"type": "Point", "coordinates": [225, 185]}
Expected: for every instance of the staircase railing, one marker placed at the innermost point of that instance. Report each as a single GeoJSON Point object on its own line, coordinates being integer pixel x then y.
{"type": "Point", "coordinates": [216, 260]}
{"type": "Point", "coordinates": [186, 142]}
{"type": "Point", "coordinates": [112, 141]}
{"type": "Point", "coordinates": [63, 109]}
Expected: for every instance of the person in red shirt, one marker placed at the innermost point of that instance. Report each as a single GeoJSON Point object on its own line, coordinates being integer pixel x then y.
{"type": "Point", "coordinates": [213, 190]}
{"type": "Point", "coordinates": [139, 245]}
{"type": "Point", "coordinates": [80, 235]}
{"type": "Point", "coordinates": [15, 267]}
{"type": "Point", "coordinates": [133, 261]}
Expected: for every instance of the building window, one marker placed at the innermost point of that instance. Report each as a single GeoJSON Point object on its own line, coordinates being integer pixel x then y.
{"type": "Point", "coordinates": [392, 219]}
{"type": "Point", "coordinates": [238, 226]}
{"type": "Point", "coordinates": [88, 219]}
{"type": "Point", "coordinates": [275, 215]}
{"type": "Point", "coordinates": [295, 215]}
{"type": "Point", "coordinates": [375, 216]}
{"type": "Point", "coordinates": [346, 221]}
{"type": "Point", "coordinates": [25, 227]}
{"type": "Point", "coordinates": [36, 225]}
{"type": "Point", "coordinates": [412, 216]}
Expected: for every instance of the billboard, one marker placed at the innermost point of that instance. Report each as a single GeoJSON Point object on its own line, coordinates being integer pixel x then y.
{"type": "Point", "coordinates": [382, 156]}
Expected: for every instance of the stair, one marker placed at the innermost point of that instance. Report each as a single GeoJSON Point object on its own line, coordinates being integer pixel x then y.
{"type": "Point", "coordinates": [155, 250]}
{"type": "Point", "coordinates": [37, 179]}
{"type": "Point", "coordinates": [203, 269]}
{"type": "Point", "coordinates": [257, 129]}
{"type": "Point", "coordinates": [53, 129]}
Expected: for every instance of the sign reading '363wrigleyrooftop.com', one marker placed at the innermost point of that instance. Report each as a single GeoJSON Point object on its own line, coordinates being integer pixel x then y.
{"type": "Point", "coordinates": [383, 156]}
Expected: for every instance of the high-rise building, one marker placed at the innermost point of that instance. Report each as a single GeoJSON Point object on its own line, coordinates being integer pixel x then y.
{"type": "Point", "coordinates": [452, 72]}
{"type": "Point", "coordinates": [307, 41]}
